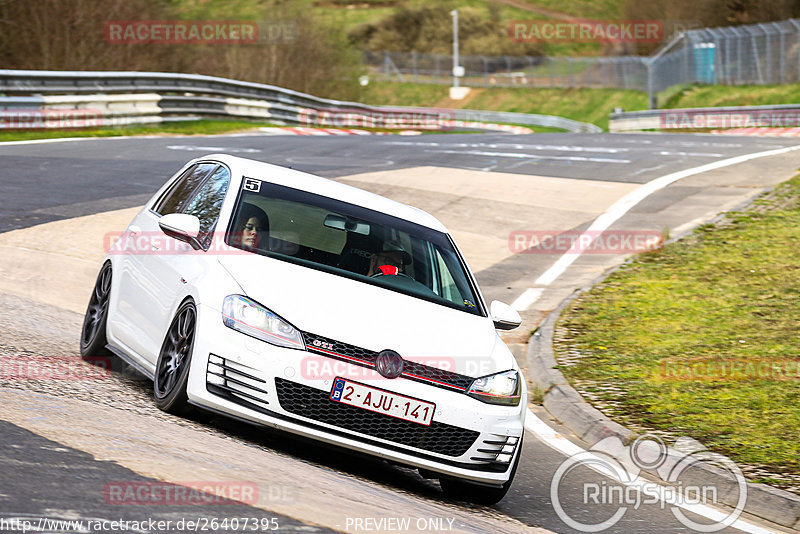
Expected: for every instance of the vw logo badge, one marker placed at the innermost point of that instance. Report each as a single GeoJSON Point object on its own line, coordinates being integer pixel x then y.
{"type": "Point", "coordinates": [389, 364]}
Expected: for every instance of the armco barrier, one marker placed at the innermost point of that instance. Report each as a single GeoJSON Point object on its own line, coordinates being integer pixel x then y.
{"type": "Point", "coordinates": [774, 116]}
{"type": "Point", "coordinates": [120, 97]}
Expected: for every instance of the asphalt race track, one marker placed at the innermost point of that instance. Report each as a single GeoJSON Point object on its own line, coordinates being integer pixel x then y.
{"type": "Point", "coordinates": [76, 436]}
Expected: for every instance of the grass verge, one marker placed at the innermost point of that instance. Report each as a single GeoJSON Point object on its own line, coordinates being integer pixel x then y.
{"type": "Point", "coordinates": [586, 105]}
{"type": "Point", "coordinates": [701, 339]}
{"type": "Point", "coordinates": [197, 127]}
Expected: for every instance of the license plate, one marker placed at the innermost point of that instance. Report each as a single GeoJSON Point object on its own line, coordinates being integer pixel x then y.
{"type": "Point", "coordinates": [381, 401]}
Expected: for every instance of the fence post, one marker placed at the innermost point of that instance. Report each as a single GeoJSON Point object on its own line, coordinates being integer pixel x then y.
{"type": "Point", "coordinates": [738, 57]}
{"type": "Point", "coordinates": [569, 71]}
{"type": "Point", "coordinates": [532, 78]}
{"type": "Point", "coordinates": [768, 50]}
{"type": "Point", "coordinates": [755, 54]}
{"type": "Point", "coordinates": [414, 66]}
{"type": "Point", "coordinates": [797, 27]}
{"type": "Point", "coordinates": [727, 56]}
{"type": "Point", "coordinates": [782, 53]}
{"type": "Point", "coordinates": [651, 97]}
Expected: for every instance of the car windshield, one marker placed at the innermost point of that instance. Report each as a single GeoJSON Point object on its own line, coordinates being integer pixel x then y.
{"type": "Point", "coordinates": [351, 241]}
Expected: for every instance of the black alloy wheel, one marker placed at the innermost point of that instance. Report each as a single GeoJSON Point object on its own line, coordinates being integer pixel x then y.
{"type": "Point", "coordinates": [93, 332]}
{"type": "Point", "coordinates": [172, 368]}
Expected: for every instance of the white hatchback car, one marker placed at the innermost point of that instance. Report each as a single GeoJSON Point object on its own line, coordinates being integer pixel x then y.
{"type": "Point", "coordinates": [292, 301]}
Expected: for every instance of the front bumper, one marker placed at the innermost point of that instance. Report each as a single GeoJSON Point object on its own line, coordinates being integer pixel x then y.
{"type": "Point", "coordinates": [289, 389]}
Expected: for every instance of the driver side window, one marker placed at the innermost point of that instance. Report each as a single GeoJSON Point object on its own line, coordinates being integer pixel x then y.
{"type": "Point", "coordinates": [207, 202]}
{"type": "Point", "coordinates": [176, 196]}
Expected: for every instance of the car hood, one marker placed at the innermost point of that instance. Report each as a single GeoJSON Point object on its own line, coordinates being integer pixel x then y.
{"type": "Point", "coordinates": [371, 317]}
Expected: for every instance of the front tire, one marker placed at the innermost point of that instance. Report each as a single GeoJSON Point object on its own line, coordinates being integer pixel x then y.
{"type": "Point", "coordinates": [461, 490]}
{"type": "Point", "coordinates": [93, 332]}
{"type": "Point", "coordinates": [172, 368]}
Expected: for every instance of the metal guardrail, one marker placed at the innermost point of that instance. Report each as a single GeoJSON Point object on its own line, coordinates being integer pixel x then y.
{"type": "Point", "coordinates": [782, 116]}
{"type": "Point", "coordinates": [118, 97]}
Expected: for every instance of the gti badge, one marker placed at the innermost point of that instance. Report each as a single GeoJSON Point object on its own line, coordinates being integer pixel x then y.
{"type": "Point", "coordinates": [389, 364]}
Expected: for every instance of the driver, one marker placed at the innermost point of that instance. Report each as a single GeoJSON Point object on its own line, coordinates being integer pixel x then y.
{"type": "Point", "coordinates": [252, 228]}
{"type": "Point", "coordinates": [392, 259]}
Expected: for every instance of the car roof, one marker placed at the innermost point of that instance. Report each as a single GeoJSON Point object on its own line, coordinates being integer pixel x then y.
{"type": "Point", "coordinates": [323, 186]}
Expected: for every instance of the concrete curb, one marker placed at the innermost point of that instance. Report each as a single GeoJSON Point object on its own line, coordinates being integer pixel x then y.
{"type": "Point", "coordinates": [565, 404]}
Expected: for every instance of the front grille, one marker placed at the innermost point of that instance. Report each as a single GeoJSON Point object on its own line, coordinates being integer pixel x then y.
{"type": "Point", "coordinates": [366, 358]}
{"type": "Point", "coordinates": [315, 404]}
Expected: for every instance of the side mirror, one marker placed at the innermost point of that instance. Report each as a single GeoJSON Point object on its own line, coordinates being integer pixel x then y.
{"type": "Point", "coordinates": [182, 227]}
{"type": "Point", "coordinates": [504, 316]}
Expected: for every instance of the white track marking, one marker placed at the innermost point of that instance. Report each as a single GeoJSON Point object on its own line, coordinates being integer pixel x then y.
{"type": "Point", "coordinates": [191, 148]}
{"type": "Point", "coordinates": [528, 297]}
{"type": "Point", "coordinates": [529, 156]}
{"type": "Point", "coordinates": [516, 146]}
{"type": "Point", "coordinates": [691, 154]}
{"type": "Point", "coordinates": [561, 444]}
{"type": "Point", "coordinates": [623, 205]}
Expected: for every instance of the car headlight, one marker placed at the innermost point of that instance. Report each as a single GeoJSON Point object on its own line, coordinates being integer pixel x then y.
{"type": "Point", "coordinates": [500, 388]}
{"type": "Point", "coordinates": [251, 318]}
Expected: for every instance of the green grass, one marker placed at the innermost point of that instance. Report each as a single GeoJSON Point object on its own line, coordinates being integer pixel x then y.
{"type": "Point", "coordinates": [198, 127]}
{"type": "Point", "coordinates": [587, 105]}
{"type": "Point", "coordinates": [349, 15]}
{"type": "Point", "coordinates": [728, 95]}
{"type": "Point", "coordinates": [726, 295]}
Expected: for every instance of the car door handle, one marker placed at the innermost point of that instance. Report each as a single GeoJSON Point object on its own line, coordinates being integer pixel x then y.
{"type": "Point", "coordinates": [133, 229]}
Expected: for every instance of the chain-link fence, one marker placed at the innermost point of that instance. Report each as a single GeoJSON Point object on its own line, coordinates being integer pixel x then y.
{"type": "Point", "coordinates": [767, 53]}
{"type": "Point", "coordinates": [512, 71]}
